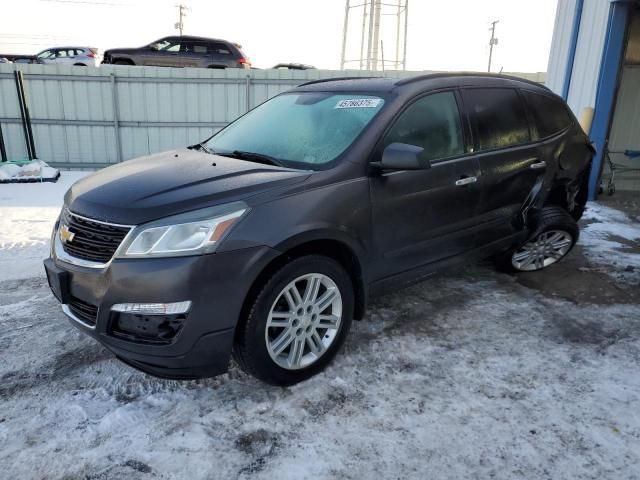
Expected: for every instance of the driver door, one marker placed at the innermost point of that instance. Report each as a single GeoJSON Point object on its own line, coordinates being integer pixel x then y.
{"type": "Point", "coordinates": [166, 55]}
{"type": "Point", "coordinates": [423, 216]}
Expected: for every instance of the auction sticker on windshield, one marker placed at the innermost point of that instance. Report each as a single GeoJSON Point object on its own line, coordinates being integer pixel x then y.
{"type": "Point", "coordinates": [358, 103]}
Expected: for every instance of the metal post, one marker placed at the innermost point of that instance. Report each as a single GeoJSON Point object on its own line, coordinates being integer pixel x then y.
{"type": "Point", "coordinates": [116, 116]}
{"type": "Point", "coordinates": [376, 34]}
{"type": "Point", "coordinates": [27, 116]}
{"type": "Point", "coordinates": [3, 150]}
{"type": "Point", "coordinates": [397, 59]}
{"type": "Point", "coordinates": [382, 53]}
{"type": "Point", "coordinates": [344, 34]}
{"type": "Point", "coordinates": [364, 25]}
{"type": "Point", "coordinates": [370, 39]}
{"type": "Point", "coordinates": [248, 88]}
{"type": "Point", "coordinates": [21, 103]}
{"type": "Point", "coordinates": [404, 49]}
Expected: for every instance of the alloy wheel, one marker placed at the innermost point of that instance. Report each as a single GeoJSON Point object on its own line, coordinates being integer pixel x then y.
{"type": "Point", "coordinates": [544, 250]}
{"type": "Point", "coordinates": [303, 321]}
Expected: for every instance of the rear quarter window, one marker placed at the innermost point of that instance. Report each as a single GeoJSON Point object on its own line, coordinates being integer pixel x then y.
{"type": "Point", "coordinates": [498, 118]}
{"type": "Point", "coordinates": [549, 115]}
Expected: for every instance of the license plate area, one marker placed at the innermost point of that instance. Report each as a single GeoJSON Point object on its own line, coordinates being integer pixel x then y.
{"type": "Point", "coordinates": [58, 281]}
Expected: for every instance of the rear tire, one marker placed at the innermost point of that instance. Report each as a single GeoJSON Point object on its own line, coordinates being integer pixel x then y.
{"type": "Point", "coordinates": [553, 235]}
{"type": "Point", "coordinates": [285, 337]}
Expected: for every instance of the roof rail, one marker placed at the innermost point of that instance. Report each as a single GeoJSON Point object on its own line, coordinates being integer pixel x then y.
{"type": "Point", "coordinates": [322, 80]}
{"type": "Point", "coordinates": [417, 78]}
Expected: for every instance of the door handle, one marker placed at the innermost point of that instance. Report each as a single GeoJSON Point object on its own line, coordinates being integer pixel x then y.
{"type": "Point", "coordinates": [538, 165]}
{"type": "Point", "coordinates": [466, 181]}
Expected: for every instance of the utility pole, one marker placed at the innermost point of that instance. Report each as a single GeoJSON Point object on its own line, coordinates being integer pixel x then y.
{"type": "Point", "coordinates": [493, 41]}
{"type": "Point", "coordinates": [182, 12]}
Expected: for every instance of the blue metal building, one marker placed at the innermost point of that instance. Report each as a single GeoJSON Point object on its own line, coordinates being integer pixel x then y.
{"type": "Point", "coordinates": [595, 63]}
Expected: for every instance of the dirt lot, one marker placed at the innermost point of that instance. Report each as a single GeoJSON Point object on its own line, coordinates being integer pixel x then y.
{"type": "Point", "coordinates": [472, 374]}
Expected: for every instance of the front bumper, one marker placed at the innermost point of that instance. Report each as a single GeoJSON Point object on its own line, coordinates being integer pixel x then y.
{"type": "Point", "coordinates": [216, 284]}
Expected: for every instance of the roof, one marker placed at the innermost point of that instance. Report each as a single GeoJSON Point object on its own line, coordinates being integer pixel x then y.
{"type": "Point", "coordinates": [191, 37]}
{"type": "Point", "coordinates": [435, 80]}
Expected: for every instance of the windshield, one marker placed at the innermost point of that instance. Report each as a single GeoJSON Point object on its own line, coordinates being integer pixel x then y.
{"type": "Point", "coordinates": [309, 128]}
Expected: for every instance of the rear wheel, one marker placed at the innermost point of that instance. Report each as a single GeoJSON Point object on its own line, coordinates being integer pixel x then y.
{"type": "Point", "coordinates": [297, 321]}
{"type": "Point", "coordinates": [554, 234]}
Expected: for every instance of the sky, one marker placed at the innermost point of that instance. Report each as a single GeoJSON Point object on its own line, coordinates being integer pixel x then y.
{"type": "Point", "coordinates": [442, 34]}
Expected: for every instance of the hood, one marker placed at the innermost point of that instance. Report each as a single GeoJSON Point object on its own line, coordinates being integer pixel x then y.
{"type": "Point", "coordinates": [156, 186]}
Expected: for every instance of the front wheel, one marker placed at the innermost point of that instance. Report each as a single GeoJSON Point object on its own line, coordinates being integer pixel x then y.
{"type": "Point", "coordinates": [554, 234]}
{"type": "Point", "coordinates": [297, 322]}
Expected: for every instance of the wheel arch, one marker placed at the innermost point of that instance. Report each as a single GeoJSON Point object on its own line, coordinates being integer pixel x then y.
{"type": "Point", "coordinates": [315, 244]}
{"type": "Point", "coordinates": [128, 60]}
{"type": "Point", "coordinates": [570, 194]}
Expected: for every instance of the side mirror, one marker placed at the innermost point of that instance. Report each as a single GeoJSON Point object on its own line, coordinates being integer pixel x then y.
{"type": "Point", "coordinates": [402, 156]}
{"type": "Point", "coordinates": [153, 46]}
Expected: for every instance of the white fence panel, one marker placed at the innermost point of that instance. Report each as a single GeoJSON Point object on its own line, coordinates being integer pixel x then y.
{"type": "Point", "coordinates": [93, 117]}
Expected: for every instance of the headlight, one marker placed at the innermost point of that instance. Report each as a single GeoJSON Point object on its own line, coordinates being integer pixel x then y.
{"type": "Point", "coordinates": [186, 234]}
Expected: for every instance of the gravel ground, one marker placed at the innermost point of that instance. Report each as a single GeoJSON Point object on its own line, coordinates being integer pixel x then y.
{"type": "Point", "coordinates": [471, 374]}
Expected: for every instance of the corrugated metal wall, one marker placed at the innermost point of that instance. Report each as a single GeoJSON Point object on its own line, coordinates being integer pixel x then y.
{"type": "Point", "coordinates": [588, 56]}
{"type": "Point", "coordinates": [560, 44]}
{"type": "Point", "coordinates": [586, 66]}
{"type": "Point", "coordinates": [92, 117]}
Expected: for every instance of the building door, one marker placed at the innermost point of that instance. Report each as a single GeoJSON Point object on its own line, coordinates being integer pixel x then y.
{"type": "Point", "coordinates": [624, 135]}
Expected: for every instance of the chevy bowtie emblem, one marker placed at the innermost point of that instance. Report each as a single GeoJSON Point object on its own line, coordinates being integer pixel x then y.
{"type": "Point", "coordinates": [66, 235]}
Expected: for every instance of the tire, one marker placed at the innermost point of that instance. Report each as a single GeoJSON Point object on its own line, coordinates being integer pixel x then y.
{"type": "Point", "coordinates": [554, 234]}
{"type": "Point", "coordinates": [79, 65]}
{"type": "Point", "coordinates": [273, 323]}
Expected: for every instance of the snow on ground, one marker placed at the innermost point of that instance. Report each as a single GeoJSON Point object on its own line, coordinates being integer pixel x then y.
{"type": "Point", "coordinates": [468, 375]}
{"type": "Point", "coordinates": [28, 214]}
{"type": "Point", "coordinates": [612, 239]}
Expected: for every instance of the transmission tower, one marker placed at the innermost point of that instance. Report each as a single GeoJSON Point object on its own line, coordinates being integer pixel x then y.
{"type": "Point", "coordinates": [376, 20]}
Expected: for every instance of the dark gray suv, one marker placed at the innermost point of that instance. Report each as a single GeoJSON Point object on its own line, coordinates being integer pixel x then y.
{"type": "Point", "coordinates": [181, 51]}
{"type": "Point", "coordinates": [267, 239]}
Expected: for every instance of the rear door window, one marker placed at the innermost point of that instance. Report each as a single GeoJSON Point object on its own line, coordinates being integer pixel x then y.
{"type": "Point", "coordinates": [219, 48]}
{"type": "Point", "coordinates": [193, 46]}
{"type": "Point", "coordinates": [549, 115]}
{"type": "Point", "coordinates": [497, 116]}
{"type": "Point", "coordinates": [433, 123]}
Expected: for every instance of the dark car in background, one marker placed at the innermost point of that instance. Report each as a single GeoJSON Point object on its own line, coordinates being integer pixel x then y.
{"type": "Point", "coordinates": [181, 51]}
{"type": "Point", "coordinates": [268, 239]}
{"type": "Point", "coordinates": [293, 66]}
{"type": "Point", "coordinates": [18, 58]}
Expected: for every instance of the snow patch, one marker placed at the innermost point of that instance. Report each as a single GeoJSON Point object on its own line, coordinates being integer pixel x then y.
{"type": "Point", "coordinates": [32, 171]}
{"type": "Point", "coordinates": [611, 239]}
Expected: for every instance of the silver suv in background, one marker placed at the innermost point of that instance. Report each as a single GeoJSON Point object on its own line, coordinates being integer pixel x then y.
{"type": "Point", "coordinates": [181, 51]}
{"type": "Point", "coordinates": [78, 56]}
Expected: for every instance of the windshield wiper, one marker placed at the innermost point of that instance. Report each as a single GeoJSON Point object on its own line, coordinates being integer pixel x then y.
{"type": "Point", "coordinates": [253, 157]}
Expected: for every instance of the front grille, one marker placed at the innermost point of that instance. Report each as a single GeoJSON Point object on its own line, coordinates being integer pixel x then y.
{"type": "Point", "coordinates": [92, 240]}
{"type": "Point", "coordinates": [84, 311]}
